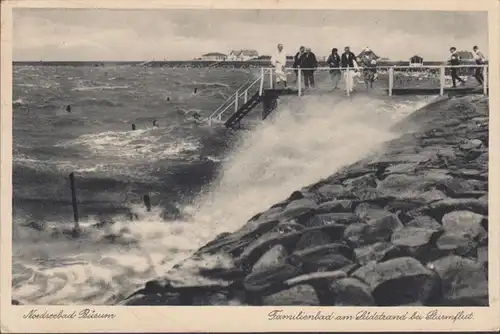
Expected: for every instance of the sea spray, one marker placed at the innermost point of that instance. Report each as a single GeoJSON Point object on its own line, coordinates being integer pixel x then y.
{"type": "Point", "coordinates": [306, 140]}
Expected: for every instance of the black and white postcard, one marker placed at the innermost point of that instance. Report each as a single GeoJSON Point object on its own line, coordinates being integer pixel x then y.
{"type": "Point", "coordinates": [171, 166]}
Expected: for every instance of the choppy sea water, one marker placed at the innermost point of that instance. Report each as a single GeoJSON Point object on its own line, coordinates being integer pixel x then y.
{"type": "Point", "coordinates": [202, 180]}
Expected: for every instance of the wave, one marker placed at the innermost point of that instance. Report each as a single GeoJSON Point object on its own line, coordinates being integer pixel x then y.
{"type": "Point", "coordinates": [151, 144]}
{"type": "Point", "coordinates": [105, 87]}
{"type": "Point", "coordinates": [304, 141]}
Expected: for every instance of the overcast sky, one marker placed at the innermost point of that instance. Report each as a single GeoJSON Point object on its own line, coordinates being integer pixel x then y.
{"type": "Point", "coordinates": [99, 34]}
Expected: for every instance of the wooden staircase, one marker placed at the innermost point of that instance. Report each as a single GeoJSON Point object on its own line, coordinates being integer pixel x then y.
{"type": "Point", "coordinates": [234, 120]}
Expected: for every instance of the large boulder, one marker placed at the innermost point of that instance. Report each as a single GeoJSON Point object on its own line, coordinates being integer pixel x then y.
{"type": "Point", "coordinates": [296, 295]}
{"type": "Point", "coordinates": [269, 280]}
{"type": "Point", "coordinates": [424, 222]}
{"type": "Point", "coordinates": [378, 252]}
{"type": "Point", "coordinates": [298, 208]}
{"type": "Point", "coordinates": [336, 218]}
{"type": "Point", "coordinates": [364, 181]}
{"type": "Point", "coordinates": [273, 257]}
{"type": "Point", "coordinates": [414, 236]}
{"type": "Point", "coordinates": [456, 243]}
{"type": "Point", "coordinates": [463, 222]}
{"type": "Point", "coordinates": [398, 281]}
{"type": "Point", "coordinates": [330, 192]}
{"type": "Point", "coordinates": [311, 239]}
{"type": "Point", "coordinates": [351, 292]}
{"type": "Point", "coordinates": [381, 229]}
{"type": "Point", "coordinates": [463, 281]}
{"type": "Point", "coordinates": [337, 205]}
{"type": "Point", "coordinates": [258, 247]}
{"type": "Point", "coordinates": [317, 253]}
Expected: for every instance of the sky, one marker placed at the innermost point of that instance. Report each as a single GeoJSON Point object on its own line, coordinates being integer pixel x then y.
{"type": "Point", "coordinates": [131, 35]}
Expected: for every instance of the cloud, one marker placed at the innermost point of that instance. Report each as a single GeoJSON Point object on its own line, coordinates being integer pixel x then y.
{"type": "Point", "coordinates": [55, 34]}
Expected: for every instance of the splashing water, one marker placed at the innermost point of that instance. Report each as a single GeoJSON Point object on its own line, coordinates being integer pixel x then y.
{"type": "Point", "coordinates": [306, 140]}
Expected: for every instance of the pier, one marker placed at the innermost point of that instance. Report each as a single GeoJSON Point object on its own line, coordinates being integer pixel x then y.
{"type": "Point", "coordinates": [392, 80]}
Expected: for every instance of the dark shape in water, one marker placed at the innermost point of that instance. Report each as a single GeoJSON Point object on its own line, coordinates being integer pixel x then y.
{"type": "Point", "coordinates": [133, 127]}
{"type": "Point", "coordinates": [68, 108]}
{"type": "Point", "coordinates": [168, 98]}
{"type": "Point", "coordinates": [195, 90]}
{"type": "Point", "coordinates": [155, 123]}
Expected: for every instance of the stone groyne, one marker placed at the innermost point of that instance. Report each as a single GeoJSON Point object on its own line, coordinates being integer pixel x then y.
{"type": "Point", "coordinates": [405, 226]}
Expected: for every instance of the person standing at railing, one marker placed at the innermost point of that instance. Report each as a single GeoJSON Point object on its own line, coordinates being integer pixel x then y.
{"type": "Point", "coordinates": [349, 64]}
{"type": "Point", "coordinates": [455, 61]}
{"type": "Point", "coordinates": [369, 63]}
{"type": "Point", "coordinates": [296, 61]}
{"type": "Point", "coordinates": [309, 64]}
{"type": "Point", "coordinates": [334, 63]}
{"type": "Point", "coordinates": [278, 61]}
{"type": "Point", "coordinates": [480, 60]}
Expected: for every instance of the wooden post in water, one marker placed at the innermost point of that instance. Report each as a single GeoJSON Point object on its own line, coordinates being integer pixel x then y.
{"type": "Point", "coordinates": [73, 200]}
{"type": "Point", "coordinates": [485, 83]}
{"type": "Point", "coordinates": [441, 80]}
{"type": "Point", "coordinates": [147, 202]}
{"type": "Point", "coordinates": [391, 80]}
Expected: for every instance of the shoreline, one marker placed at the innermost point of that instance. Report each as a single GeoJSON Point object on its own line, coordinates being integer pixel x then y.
{"type": "Point", "coordinates": [199, 63]}
{"type": "Point", "coordinates": [405, 226]}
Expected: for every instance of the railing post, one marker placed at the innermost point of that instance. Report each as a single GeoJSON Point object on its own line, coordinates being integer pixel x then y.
{"type": "Point", "coordinates": [261, 89]}
{"type": "Point", "coordinates": [391, 80]}
{"type": "Point", "coordinates": [441, 80]}
{"type": "Point", "coordinates": [271, 78]}
{"type": "Point", "coordinates": [485, 82]}
{"type": "Point", "coordinates": [245, 98]}
{"type": "Point", "coordinates": [236, 97]}
{"type": "Point", "coordinates": [348, 78]}
{"type": "Point", "coordinates": [299, 81]}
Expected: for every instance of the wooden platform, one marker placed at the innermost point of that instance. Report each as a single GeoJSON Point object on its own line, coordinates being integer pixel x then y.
{"type": "Point", "coordinates": [436, 91]}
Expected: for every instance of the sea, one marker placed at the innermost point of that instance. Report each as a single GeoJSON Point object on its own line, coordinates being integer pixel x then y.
{"type": "Point", "coordinates": [202, 179]}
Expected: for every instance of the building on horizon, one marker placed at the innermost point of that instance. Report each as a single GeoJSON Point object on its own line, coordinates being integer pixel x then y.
{"type": "Point", "coordinates": [243, 55]}
{"type": "Point", "coordinates": [214, 56]}
{"type": "Point", "coordinates": [465, 55]}
{"type": "Point", "coordinates": [362, 53]}
{"type": "Point", "coordinates": [416, 61]}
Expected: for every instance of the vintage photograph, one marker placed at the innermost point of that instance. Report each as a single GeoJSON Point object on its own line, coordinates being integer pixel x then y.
{"type": "Point", "coordinates": [255, 157]}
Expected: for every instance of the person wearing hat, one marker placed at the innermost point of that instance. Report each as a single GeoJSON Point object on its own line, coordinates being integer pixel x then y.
{"type": "Point", "coordinates": [480, 60]}
{"type": "Point", "coordinates": [297, 60]}
{"type": "Point", "coordinates": [334, 63]}
{"type": "Point", "coordinates": [350, 66]}
{"type": "Point", "coordinates": [454, 61]}
{"type": "Point", "coordinates": [369, 63]}
{"type": "Point", "coordinates": [309, 64]}
{"type": "Point", "coordinates": [278, 61]}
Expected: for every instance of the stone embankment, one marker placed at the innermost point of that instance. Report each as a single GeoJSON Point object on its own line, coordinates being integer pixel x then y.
{"type": "Point", "coordinates": [406, 226]}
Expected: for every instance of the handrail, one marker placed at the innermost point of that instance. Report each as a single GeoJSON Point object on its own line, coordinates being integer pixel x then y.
{"type": "Point", "coordinates": [233, 99]}
{"type": "Point", "coordinates": [384, 67]}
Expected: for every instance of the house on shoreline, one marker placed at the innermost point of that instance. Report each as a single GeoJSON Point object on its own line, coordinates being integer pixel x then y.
{"type": "Point", "coordinates": [243, 55]}
{"type": "Point", "coordinates": [214, 56]}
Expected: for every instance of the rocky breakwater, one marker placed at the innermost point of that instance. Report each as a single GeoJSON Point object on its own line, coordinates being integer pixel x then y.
{"type": "Point", "coordinates": [406, 226]}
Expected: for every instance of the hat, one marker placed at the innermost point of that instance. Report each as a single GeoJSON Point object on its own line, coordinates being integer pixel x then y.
{"type": "Point", "coordinates": [367, 49]}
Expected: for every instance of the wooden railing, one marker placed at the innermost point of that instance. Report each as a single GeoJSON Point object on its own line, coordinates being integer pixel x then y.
{"type": "Point", "coordinates": [267, 74]}
{"type": "Point", "coordinates": [392, 70]}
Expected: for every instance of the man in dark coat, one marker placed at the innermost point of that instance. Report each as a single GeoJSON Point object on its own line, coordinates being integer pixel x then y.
{"type": "Point", "coordinates": [349, 65]}
{"type": "Point", "coordinates": [297, 59]}
{"type": "Point", "coordinates": [309, 63]}
{"type": "Point", "coordinates": [455, 60]}
{"type": "Point", "coordinates": [334, 63]}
